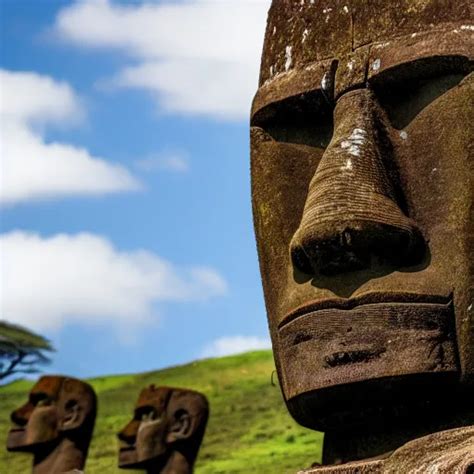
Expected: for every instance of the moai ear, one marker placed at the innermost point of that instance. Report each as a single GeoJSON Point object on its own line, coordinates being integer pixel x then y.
{"type": "Point", "coordinates": [74, 415]}
{"type": "Point", "coordinates": [180, 428]}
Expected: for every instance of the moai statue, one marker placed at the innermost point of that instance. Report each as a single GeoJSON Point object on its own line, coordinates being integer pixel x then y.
{"type": "Point", "coordinates": [55, 425]}
{"type": "Point", "coordinates": [166, 431]}
{"type": "Point", "coordinates": [362, 190]}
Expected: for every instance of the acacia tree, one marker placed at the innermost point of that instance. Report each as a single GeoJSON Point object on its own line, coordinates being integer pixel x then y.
{"type": "Point", "coordinates": [21, 350]}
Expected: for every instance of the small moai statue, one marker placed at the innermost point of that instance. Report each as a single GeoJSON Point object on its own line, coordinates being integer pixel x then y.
{"type": "Point", "coordinates": [362, 190]}
{"type": "Point", "coordinates": [166, 431]}
{"type": "Point", "coordinates": [55, 425]}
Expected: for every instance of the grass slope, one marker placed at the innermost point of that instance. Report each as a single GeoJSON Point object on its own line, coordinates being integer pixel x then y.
{"type": "Point", "coordinates": [249, 429]}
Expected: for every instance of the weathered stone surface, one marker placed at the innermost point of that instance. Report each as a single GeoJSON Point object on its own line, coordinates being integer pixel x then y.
{"type": "Point", "coordinates": [55, 425]}
{"type": "Point", "coordinates": [449, 451]}
{"type": "Point", "coordinates": [362, 190]}
{"type": "Point", "coordinates": [165, 432]}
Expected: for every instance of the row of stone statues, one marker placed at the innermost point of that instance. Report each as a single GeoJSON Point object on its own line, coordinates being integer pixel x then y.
{"type": "Point", "coordinates": [55, 425]}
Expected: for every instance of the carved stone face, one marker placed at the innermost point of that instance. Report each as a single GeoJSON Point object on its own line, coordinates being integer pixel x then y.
{"type": "Point", "coordinates": [162, 417]}
{"type": "Point", "coordinates": [362, 187]}
{"type": "Point", "coordinates": [56, 407]}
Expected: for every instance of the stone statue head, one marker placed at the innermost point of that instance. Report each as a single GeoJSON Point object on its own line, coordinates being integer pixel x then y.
{"type": "Point", "coordinates": [166, 430]}
{"type": "Point", "coordinates": [55, 424]}
{"type": "Point", "coordinates": [362, 189]}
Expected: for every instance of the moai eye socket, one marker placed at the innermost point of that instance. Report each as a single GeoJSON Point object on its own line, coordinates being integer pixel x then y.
{"type": "Point", "coordinates": [406, 90]}
{"type": "Point", "coordinates": [40, 400]}
{"type": "Point", "coordinates": [405, 103]}
{"type": "Point", "coordinates": [147, 414]}
{"type": "Point", "coordinates": [305, 119]}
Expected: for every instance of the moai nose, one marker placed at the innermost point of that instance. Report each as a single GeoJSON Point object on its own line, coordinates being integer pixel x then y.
{"type": "Point", "coordinates": [351, 212]}
{"type": "Point", "coordinates": [20, 416]}
{"type": "Point", "coordinates": [129, 432]}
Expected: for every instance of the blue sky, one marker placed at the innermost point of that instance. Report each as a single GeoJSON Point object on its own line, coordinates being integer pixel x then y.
{"type": "Point", "coordinates": [126, 224]}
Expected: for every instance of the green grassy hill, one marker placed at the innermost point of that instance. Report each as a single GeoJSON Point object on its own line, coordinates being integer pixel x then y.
{"type": "Point", "coordinates": [249, 429]}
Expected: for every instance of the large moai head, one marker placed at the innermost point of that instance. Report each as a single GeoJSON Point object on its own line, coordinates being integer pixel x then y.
{"type": "Point", "coordinates": [362, 189]}
{"type": "Point", "coordinates": [55, 424]}
{"type": "Point", "coordinates": [165, 432]}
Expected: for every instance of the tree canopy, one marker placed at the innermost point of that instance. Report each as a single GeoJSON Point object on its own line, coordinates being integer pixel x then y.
{"type": "Point", "coordinates": [21, 350]}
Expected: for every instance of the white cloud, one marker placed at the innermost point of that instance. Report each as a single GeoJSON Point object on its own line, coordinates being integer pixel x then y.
{"type": "Point", "coordinates": [33, 169]}
{"type": "Point", "coordinates": [235, 345]}
{"type": "Point", "coordinates": [174, 160]}
{"type": "Point", "coordinates": [31, 98]}
{"type": "Point", "coordinates": [195, 57]}
{"type": "Point", "coordinates": [47, 282]}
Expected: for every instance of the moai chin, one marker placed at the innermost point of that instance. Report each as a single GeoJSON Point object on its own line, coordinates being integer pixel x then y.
{"type": "Point", "coordinates": [165, 432]}
{"type": "Point", "coordinates": [55, 425]}
{"type": "Point", "coordinates": [362, 190]}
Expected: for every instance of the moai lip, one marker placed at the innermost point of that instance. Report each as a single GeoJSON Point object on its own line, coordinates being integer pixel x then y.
{"type": "Point", "coordinates": [355, 363]}
{"type": "Point", "coordinates": [362, 189]}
